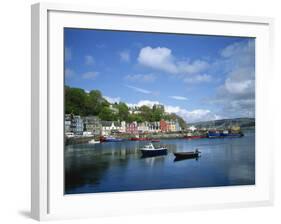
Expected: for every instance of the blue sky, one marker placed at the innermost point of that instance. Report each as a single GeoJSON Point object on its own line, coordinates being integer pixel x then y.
{"type": "Point", "coordinates": [198, 77]}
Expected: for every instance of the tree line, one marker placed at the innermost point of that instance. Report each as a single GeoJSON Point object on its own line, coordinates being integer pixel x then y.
{"type": "Point", "coordinates": [79, 102]}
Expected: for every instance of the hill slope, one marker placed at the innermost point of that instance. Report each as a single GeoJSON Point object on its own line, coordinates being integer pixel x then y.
{"type": "Point", "coordinates": [225, 123]}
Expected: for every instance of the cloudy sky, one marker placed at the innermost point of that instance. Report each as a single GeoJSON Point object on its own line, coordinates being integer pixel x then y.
{"type": "Point", "coordinates": [198, 77]}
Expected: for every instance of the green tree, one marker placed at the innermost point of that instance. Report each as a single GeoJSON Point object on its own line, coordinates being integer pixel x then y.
{"type": "Point", "coordinates": [123, 111]}
{"type": "Point", "coordinates": [135, 117]}
{"type": "Point", "coordinates": [75, 101]}
{"type": "Point", "coordinates": [157, 112]}
{"type": "Point", "coordinates": [146, 113]}
{"type": "Point", "coordinates": [106, 114]}
{"type": "Point", "coordinates": [94, 102]}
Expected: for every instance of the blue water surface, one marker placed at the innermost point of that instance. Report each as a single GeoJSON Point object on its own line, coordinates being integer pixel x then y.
{"type": "Point", "coordinates": [119, 166]}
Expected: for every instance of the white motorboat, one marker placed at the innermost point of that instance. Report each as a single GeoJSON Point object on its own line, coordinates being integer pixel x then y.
{"type": "Point", "coordinates": [150, 150]}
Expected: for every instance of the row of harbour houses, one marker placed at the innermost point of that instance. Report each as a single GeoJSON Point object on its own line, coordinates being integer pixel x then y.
{"type": "Point", "coordinates": [92, 125]}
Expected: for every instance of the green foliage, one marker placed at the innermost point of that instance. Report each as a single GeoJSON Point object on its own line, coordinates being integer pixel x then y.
{"type": "Point", "coordinates": [95, 102]}
{"type": "Point", "coordinates": [123, 111]}
{"type": "Point", "coordinates": [146, 113]}
{"type": "Point", "coordinates": [135, 117]}
{"type": "Point", "coordinates": [106, 114]}
{"type": "Point", "coordinates": [75, 100]}
{"type": "Point", "coordinates": [157, 113]}
{"type": "Point", "coordinates": [78, 102]}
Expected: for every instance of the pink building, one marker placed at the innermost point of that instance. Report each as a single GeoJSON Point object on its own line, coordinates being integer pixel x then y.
{"type": "Point", "coordinates": [132, 128]}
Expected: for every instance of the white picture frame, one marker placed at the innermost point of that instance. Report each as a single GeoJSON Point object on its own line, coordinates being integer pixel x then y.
{"type": "Point", "coordinates": [48, 201]}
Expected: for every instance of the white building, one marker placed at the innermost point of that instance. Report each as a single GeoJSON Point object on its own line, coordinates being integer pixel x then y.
{"type": "Point", "coordinates": [192, 128]}
{"type": "Point", "coordinates": [108, 127]}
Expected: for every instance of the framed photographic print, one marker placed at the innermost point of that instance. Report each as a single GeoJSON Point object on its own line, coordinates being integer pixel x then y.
{"type": "Point", "coordinates": [132, 110]}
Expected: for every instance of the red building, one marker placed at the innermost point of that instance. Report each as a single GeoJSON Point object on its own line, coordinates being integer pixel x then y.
{"type": "Point", "coordinates": [132, 128]}
{"type": "Point", "coordinates": [164, 127]}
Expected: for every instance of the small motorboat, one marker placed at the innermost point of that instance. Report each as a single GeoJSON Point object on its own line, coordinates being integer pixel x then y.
{"type": "Point", "coordinates": [93, 141]}
{"type": "Point", "coordinates": [150, 150]}
{"type": "Point", "coordinates": [187, 155]}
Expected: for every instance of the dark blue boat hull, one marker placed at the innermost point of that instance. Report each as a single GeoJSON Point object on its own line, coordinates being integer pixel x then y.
{"type": "Point", "coordinates": [149, 153]}
{"type": "Point", "coordinates": [222, 135]}
{"type": "Point", "coordinates": [214, 135]}
{"type": "Point", "coordinates": [232, 135]}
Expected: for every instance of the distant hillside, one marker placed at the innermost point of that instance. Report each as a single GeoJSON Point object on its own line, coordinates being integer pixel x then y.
{"type": "Point", "coordinates": [225, 123]}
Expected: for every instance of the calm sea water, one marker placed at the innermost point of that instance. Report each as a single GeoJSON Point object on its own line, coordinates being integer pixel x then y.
{"type": "Point", "coordinates": [111, 167]}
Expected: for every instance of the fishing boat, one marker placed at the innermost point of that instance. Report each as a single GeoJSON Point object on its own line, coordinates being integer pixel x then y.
{"type": "Point", "coordinates": [231, 134]}
{"type": "Point", "coordinates": [214, 134]}
{"type": "Point", "coordinates": [225, 134]}
{"type": "Point", "coordinates": [187, 155]}
{"type": "Point", "coordinates": [150, 150]}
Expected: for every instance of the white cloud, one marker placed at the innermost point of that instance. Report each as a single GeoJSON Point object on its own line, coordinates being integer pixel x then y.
{"type": "Point", "coordinates": [238, 49]}
{"type": "Point", "coordinates": [148, 103]}
{"type": "Point", "coordinates": [192, 67]}
{"type": "Point", "coordinates": [140, 90]}
{"type": "Point", "coordinates": [189, 116]}
{"type": "Point", "coordinates": [112, 99]}
{"type": "Point", "coordinates": [89, 60]}
{"type": "Point", "coordinates": [178, 97]}
{"type": "Point", "coordinates": [141, 78]}
{"type": "Point", "coordinates": [198, 79]}
{"type": "Point", "coordinates": [158, 58]}
{"type": "Point", "coordinates": [90, 75]}
{"type": "Point", "coordinates": [125, 55]}
{"type": "Point", "coordinates": [161, 58]}
{"type": "Point", "coordinates": [237, 93]}
{"type": "Point", "coordinates": [67, 54]}
{"type": "Point", "coordinates": [238, 87]}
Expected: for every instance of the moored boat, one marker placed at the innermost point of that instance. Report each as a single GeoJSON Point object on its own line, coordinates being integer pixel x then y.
{"type": "Point", "coordinates": [225, 134]}
{"type": "Point", "coordinates": [93, 141]}
{"type": "Point", "coordinates": [233, 135]}
{"type": "Point", "coordinates": [187, 155]}
{"type": "Point", "coordinates": [214, 134]}
{"type": "Point", "coordinates": [150, 150]}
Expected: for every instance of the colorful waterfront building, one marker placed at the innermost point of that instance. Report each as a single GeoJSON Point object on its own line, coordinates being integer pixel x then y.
{"type": "Point", "coordinates": [164, 126]}
{"type": "Point", "coordinates": [123, 127]}
{"type": "Point", "coordinates": [132, 128]}
{"type": "Point", "coordinates": [171, 126]}
{"type": "Point", "coordinates": [178, 127]}
{"type": "Point", "coordinates": [154, 127]}
{"type": "Point", "coordinates": [109, 127]}
{"type": "Point", "coordinates": [67, 123]}
{"type": "Point", "coordinates": [77, 125]}
{"type": "Point", "coordinates": [143, 127]}
{"type": "Point", "coordinates": [92, 124]}
{"type": "Point", "coordinates": [192, 128]}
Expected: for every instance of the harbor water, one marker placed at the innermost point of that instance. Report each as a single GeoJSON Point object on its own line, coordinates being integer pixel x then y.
{"type": "Point", "coordinates": [119, 166]}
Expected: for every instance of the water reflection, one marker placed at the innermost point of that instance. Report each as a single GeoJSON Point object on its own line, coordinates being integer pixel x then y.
{"type": "Point", "coordinates": [119, 166]}
{"type": "Point", "coordinates": [177, 159]}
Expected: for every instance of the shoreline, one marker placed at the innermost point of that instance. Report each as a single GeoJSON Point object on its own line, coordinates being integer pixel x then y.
{"type": "Point", "coordinates": [127, 137]}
